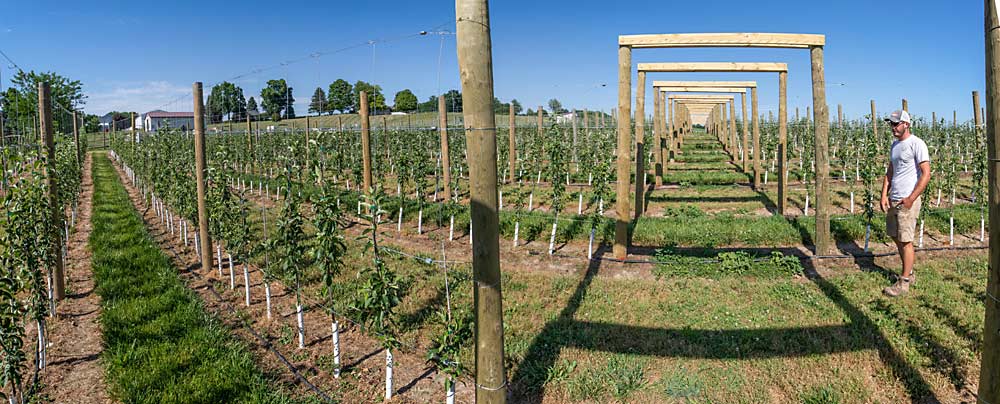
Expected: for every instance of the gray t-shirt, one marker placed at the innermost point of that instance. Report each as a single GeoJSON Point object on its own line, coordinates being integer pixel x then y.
{"type": "Point", "coordinates": [906, 156]}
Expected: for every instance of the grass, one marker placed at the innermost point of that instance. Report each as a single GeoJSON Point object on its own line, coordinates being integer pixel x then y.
{"type": "Point", "coordinates": [764, 336]}
{"type": "Point", "coordinates": [160, 345]}
{"type": "Point", "coordinates": [747, 339]}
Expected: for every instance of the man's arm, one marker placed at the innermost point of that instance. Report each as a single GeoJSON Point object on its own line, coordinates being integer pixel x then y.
{"type": "Point", "coordinates": [884, 203]}
{"type": "Point", "coordinates": [925, 177]}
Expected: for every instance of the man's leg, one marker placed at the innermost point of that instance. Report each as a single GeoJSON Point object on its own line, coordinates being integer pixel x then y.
{"type": "Point", "coordinates": [902, 285]}
{"type": "Point", "coordinates": [906, 254]}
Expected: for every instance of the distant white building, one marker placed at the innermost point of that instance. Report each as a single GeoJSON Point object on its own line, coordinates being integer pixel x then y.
{"type": "Point", "coordinates": [564, 118]}
{"type": "Point", "coordinates": [155, 120]}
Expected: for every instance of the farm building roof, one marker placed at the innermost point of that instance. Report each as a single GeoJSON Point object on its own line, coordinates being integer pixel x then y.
{"type": "Point", "coordinates": [165, 114]}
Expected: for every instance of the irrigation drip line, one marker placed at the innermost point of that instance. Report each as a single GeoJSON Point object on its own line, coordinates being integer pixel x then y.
{"type": "Point", "coordinates": [429, 261]}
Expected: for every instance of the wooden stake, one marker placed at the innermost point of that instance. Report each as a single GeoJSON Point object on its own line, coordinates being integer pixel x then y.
{"type": "Point", "coordinates": [821, 119]}
{"type": "Point", "coordinates": [840, 116]}
{"type": "Point", "coordinates": [640, 144]}
{"type": "Point", "coordinates": [782, 141]}
{"type": "Point", "coordinates": [475, 60]}
{"type": "Point", "coordinates": [622, 205]}
{"type": "Point", "coordinates": [512, 145]}
{"type": "Point", "coordinates": [200, 171]}
{"type": "Point", "coordinates": [989, 375]}
{"type": "Point", "coordinates": [906, 105]}
{"type": "Point", "coordinates": [47, 141]}
{"type": "Point", "coordinates": [445, 159]}
{"type": "Point", "coordinates": [366, 147]}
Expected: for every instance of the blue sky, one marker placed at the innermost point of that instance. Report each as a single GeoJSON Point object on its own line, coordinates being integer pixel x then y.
{"type": "Point", "coordinates": [130, 55]}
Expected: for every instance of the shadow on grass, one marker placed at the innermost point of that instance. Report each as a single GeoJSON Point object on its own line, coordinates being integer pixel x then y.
{"type": "Point", "coordinates": [972, 337]}
{"type": "Point", "coordinates": [566, 331]}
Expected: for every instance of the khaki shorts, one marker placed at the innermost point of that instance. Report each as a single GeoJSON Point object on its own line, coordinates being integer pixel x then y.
{"type": "Point", "coordinates": [900, 222]}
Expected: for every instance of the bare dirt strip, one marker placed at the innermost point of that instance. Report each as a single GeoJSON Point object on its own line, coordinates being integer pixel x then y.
{"type": "Point", "coordinates": [74, 373]}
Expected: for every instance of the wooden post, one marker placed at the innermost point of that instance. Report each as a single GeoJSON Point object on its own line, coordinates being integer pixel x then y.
{"type": "Point", "coordinates": [622, 205]}
{"type": "Point", "coordinates": [782, 141]}
{"type": "Point", "coordinates": [308, 129]}
{"type": "Point", "coordinates": [724, 132]}
{"type": "Point", "coordinates": [250, 140]}
{"type": "Point", "coordinates": [132, 119]}
{"type": "Point", "coordinates": [671, 134]}
{"type": "Point", "coordinates": [686, 128]}
{"type": "Point", "coordinates": [743, 125]}
{"type": "Point", "coordinates": [512, 145]}
{"type": "Point", "coordinates": [756, 138]}
{"type": "Point", "coordinates": [445, 157]}
{"type": "Point", "coordinates": [796, 114]}
{"type": "Point", "coordinates": [76, 139]}
{"type": "Point", "coordinates": [541, 122]}
{"type": "Point", "coordinates": [475, 67]}
{"type": "Point", "coordinates": [933, 120]}
{"type": "Point", "coordinates": [732, 129]}
{"type": "Point", "coordinates": [47, 141]}
{"type": "Point", "coordinates": [989, 374]}
{"type": "Point", "coordinates": [574, 137]}
{"type": "Point", "coordinates": [906, 105]}
{"type": "Point", "coordinates": [840, 116]}
{"type": "Point", "coordinates": [366, 147]}
{"type": "Point", "coordinates": [200, 171]}
{"type": "Point", "coordinates": [821, 119]}
{"type": "Point", "coordinates": [658, 124]}
{"type": "Point", "coordinates": [640, 144]}
{"type": "Point", "coordinates": [874, 122]}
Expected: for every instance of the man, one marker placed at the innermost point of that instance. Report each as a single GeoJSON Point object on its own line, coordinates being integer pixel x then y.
{"type": "Point", "coordinates": [906, 177]}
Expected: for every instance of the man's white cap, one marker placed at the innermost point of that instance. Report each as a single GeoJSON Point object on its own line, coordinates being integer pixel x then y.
{"type": "Point", "coordinates": [899, 116]}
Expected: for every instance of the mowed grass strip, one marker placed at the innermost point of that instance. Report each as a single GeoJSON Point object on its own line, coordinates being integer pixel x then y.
{"type": "Point", "coordinates": [160, 345]}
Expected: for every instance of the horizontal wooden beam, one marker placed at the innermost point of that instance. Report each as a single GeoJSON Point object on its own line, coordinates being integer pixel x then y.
{"type": "Point", "coordinates": [700, 96]}
{"type": "Point", "coordinates": [667, 83]}
{"type": "Point", "coordinates": [735, 40]}
{"type": "Point", "coordinates": [701, 89]}
{"type": "Point", "coordinates": [702, 103]}
{"type": "Point", "coordinates": [698, 67]}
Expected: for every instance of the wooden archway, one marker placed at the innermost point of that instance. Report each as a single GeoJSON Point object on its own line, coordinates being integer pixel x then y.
{"type": "Point", "coordinates": [814, 43]}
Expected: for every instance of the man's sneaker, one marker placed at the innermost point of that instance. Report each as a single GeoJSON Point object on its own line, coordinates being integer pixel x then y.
{"type": "Point", "coordinates": [900, 287]}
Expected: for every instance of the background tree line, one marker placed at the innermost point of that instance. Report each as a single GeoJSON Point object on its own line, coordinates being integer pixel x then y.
{"type": "Point", "coordinates": [20, 103]}
{"type": "Point", "coordinates": [226, 100]}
